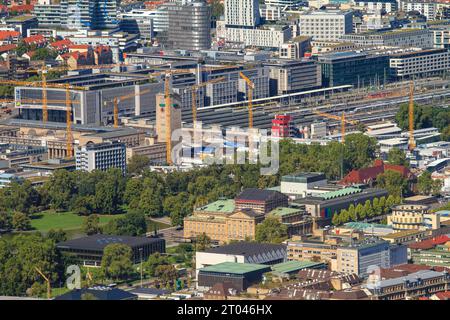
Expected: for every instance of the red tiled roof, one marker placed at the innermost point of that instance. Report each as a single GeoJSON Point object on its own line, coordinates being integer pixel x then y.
{"type": "Point", "coordinates": [79, 46]}
{"type": "Point", "coordinates": [39, 38]}
{"type": "Point", "coordinates": [22, 8]}
{"type": "Point", "coordinates": [443, 295]}
{"type": "Point", "coordinates": [30, 53]}
{"type": "Point", "coordinates": [61, 44]}
{"type": "Point", "coordinates": [429, 243]}
{"type": "Point", "coordinates": [370, 174]}
{"type": "Point", "coordinates": [5, 34]}
{"type": "Point", "coordinates": [101, 48]}
{"type": "Point", "coordinates": [8, 47]}
{"type": "Point", "coordinates": [405, 269]}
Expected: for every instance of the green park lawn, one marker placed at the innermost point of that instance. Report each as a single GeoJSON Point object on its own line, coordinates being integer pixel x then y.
{"type": "Point", "coordinates": [47, 220]}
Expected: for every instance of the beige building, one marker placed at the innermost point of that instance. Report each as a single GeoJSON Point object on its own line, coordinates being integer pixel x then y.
{"type": "Point", "coordinates": [412, 217]}
{"type": "Point", "coordinates": [222, 223]}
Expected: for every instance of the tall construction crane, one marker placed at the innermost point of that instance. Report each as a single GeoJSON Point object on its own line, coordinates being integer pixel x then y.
{"type": "Point", "coordinates": [117, 100]}
{"type": "Point", "coordinates": [250, 87]}
{"type": "Point", "coordinates": [68, 102]}
{"type": "Point", "coordinates": [341, 118]}
{"type": "Point", "coordinates": [47, 280]}
{"type": "Point", "coordinates": [194, 95]}
{"type": "Point", "coordinates": [412, 141]}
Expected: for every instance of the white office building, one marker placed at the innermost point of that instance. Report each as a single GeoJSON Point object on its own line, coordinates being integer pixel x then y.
{"type": "Point", "coordinates": [426, 7]}
{"type": "Point", "coordinates": [419, 63]}
{"type": "Point", "coordinates": [327, 25]}
{"type": "Point", "coordinates": [271, 36]}
{"type": "Point", "coordinates": [101, 156]}
{"type": "Point", "coordinates": [242, 13]}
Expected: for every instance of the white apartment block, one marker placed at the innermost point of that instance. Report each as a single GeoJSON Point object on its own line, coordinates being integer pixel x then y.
{"type": "Point", "coordinates": [242, 13]}
{"type": "Point", "coordinates": [269, 36]}
{"type": "Point", "coordinates": [419, 63]}
{"type": "Point", "coordinates": [327, 25]}
{"type": "Point", "coordinates": [399, 38]}
{"type": "Point", "coordinates": [372, 6]}
{"type": "Point", "coordinates": [426, 7]}
{"type": "Point", "coordinates": [441, 38]}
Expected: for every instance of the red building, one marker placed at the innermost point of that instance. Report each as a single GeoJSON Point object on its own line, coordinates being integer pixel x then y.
{"type": "Point", "coordinates": [281, 126]}
{"type": "Point", "coordinates": [370, 174]}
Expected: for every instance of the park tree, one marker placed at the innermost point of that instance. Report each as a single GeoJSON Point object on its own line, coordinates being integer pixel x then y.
{"type": "Point", "coordinates": [393, 182]}
{"type": "Point", "coordinates": [445, 133]}
{"type": "Point", "coordinates": [19, 258]}
{"type": "Point", "coordinates": [137, 164]}
{"type": "Point", "coordinates": [20, 221]}
{"type": "Point", "coordinates": [83, 205]}
{"type": "Point", "coordinates": [57, 235]}
{"type": "Point", "coordinates": [271, 230]}
{"type": "Point", "coordinates": [153, 262]}
{"type": "Point", "coordinates": [109, 192]}
{"type": "Point", "coordinates": [116, 261]}
{"type": "Point", "coordinates": [344, 217]}
{"type": "Point", "coordinates": [376, 207]}
{"type": "Point", "coordinates": [60, 188]}
{"type": "Point", "coordinates": [91, 225]}
{"type": "Point", "coordinates": [133, 223]}
{"type": "Point", "coordinates": [360, 212]}
{"type": "Point", "coordinates": [178, 207]}
{"type": "Point", "coordinates": [5, 221]}
{"type": "Point", "coordinates": [427, 186]}
{"type": "Point", "coordinates": [368, 210]}
{"type": "Point", "coordinates": [359, 150]}
{"type": "Point", "coordinates": [352, 213]}
{"type": "Point", "coordinates": [397, 157]}
{"type": "Point", "coordinates": [202, 242]}
{"type": "Point", "coordinates": [132, 193]}
{"type": "Point", "coordinates": [384, 208]}
{"type": "Point", "coordinates": [21, 197]}
{"type": "Point", "coordinates": [335, 220]}
{"type": "Point", "coordinates": [167, 273]}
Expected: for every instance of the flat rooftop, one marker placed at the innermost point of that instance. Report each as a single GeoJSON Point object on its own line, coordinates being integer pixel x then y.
{"type": "Point", "coordinates": [235, 268]}
{"type": "Point", "coordinates": [98, 242]}
{"type": "Point", "coordinates": [283, 211]}
{"type": "Point", "coordinates": [292, 266]}
{"type": "Point", "coordinates": [246, 248]}
{"type": "Point", "coordinates": [225, 206]}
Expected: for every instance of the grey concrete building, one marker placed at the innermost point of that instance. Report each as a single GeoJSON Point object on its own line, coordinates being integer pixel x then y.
{"type": "Point", "coordinates": [189, 26]}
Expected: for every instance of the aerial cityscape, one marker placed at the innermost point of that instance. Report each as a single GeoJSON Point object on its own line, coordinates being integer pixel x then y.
{"type": "Point", "coordinates": [249, 151]}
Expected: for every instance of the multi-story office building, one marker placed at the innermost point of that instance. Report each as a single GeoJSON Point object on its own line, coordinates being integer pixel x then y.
{"type": "Point", "coordinates": [293, 76]}
{"type": "Point", "coordinates": [78, 14]}
{"type": "Point", "coordinates": [138, 22]}
{"type": "Point", "coordinates": [101, 156]}
{"type": "Point", "coordinates": [417, 38]}
{"type": "Point", "coordinates": [189, 26]}
{"type": "Point", "coordinates": [357, 258]}
{"type": "Point", "coordinates": [269, 36]}
{"type": "Point", "coordinates": [419, 63]}
{"type": "Point", "coordinates": [441, 37]}
{"type": "Point", "coordinates": [327, 25]}
{"type": "Point", "coordinates": [358, 69]}
{"type": "Point", "coordinates": [426, 7]}
{"type": "Point", "coordinates": [242, 13]}
{"type": "Point", "coordinates": [48, 13]}
{"type": "Point", "coordinates": [295, 48]}
{"type": "Point", "coordinates": [273, 9]}
{"type": "Point", "coordinates": [94, 103]}
{"type": "Point", "coordinates": [438, 256]}
{"type": "Point", "coordinates": [303, 250]}
{"type": "Point", "coordinates": [372, 6]}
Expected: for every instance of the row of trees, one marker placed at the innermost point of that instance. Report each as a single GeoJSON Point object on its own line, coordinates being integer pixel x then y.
{"type": "Point", "coordinates": [379, 206]}
{"type": "Point", "coordinates": [426, 117]}
{"type": "Point", "coordinates": [175, 194]}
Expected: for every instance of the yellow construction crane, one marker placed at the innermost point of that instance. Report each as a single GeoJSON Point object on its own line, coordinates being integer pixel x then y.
{"type": "Point", "coordinates": [250, 87]}
{"type": "Point", "coordinates": [47, 280]}
{"type": "Point", "coordinates": [194, 96]}
{"type": "Point", "coordinates": [412, 141]}
{"type": "Point", "coordinates": [341, 118]}
{"type": "Point", "coordinates": [116, 101]}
